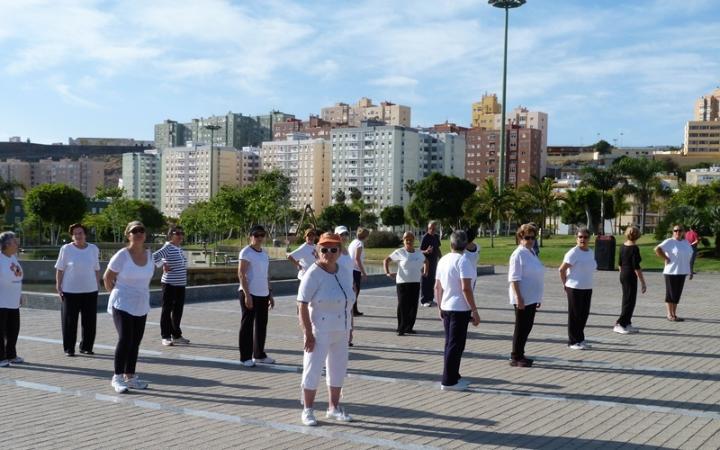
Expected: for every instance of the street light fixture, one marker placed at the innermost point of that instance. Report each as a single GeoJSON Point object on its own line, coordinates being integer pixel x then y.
{"type": "Point", "coordinates": [213, 129]}
{"type": "Point", "coordinates": [506, 5]}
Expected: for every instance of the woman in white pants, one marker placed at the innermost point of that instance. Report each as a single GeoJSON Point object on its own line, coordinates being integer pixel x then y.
{"type": "Point", "coordinates": [325, 301]}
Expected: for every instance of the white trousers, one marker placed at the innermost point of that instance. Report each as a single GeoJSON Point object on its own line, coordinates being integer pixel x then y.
{"type": "Point", "coordinates": [331, 351]}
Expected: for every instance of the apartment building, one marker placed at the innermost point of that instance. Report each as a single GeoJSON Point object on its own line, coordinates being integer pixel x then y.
{"type": "Point", "coordinates": [702, 135]}
{"type": "Point", "coordinates": [315, 127]}
{"type": "Point", "coordinates": [707, 107]}
{"type": "Point", "coordinates": [15, 170]}
{"type": "Point", "coordinates": [141, 176]}
{"type": "Point", "coordinates": [363, 110]}
{"type": "Point", "coordinates": [484, 112]}
{"type": "Point", "coordinates": [700, 177]}
{"type": "Point", "coordinates": [84, 174]}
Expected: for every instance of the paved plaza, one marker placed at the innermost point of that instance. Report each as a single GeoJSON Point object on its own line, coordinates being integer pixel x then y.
{"type": "Point", "coordinates": [656, 389]}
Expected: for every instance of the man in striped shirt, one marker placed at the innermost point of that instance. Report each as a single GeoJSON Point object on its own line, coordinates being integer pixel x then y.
{"type": "Point", "coordinates": [174, 279]}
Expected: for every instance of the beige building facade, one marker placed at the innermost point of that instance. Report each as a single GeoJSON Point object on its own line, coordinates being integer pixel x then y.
{"type": "Point", "coordinates": [702, 135]}
{"type": "Point", "coordinates": [700, 177]}
{"type": "Point", "coordinates": [364, 109]}
{"type": "Point", "coordinates": [484, 112]}
{"type": "Point", "coordinates": [707, 107]}
{"type": "Point", "coordinates": [307, 163]}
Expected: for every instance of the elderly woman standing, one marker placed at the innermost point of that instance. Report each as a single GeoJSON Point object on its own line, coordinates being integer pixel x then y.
{"type": "Point", "coordinates": [526, 275]}
{"type": "Point", "coordinates": [576, 274]}
{"type": "Point", "coordinates": [630, 273]}
{"type": "Point", "coordinates": [456, 302]}
{"type": "Point", "coordinates": [11, 276]}
{"type": "Point", "coordinates": [304, 256]}
{"type": "Point", "coordinates": [77, 276]}
{"type": "Point", "coordinates": [128, 278]}
{"type": "Point", "coordinates": [255, 300]}
{"type": "Point", "coordinates": [325, 302]}
{"type": "Point", "coordinates": [357, 253]}
{"type": "Point", "coordinates": [412, 266]}
{"type": "Point", "coordinates": [677, 253]}
{"type": "Point", "coordinates": [174, 279]}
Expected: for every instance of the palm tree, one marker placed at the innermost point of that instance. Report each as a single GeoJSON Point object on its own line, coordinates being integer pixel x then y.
{"type": "Point", "coordinates": [642, 181]}
{"type": "Point", "coordinates": [543, 196]}
{"type": "Point", "coordinates": [409, 188]}
{"type": "Point", "coordinates": [495, 203]}
{"type": "Point", "coordinates": [7, 194]}
{"type": "Point", "coordinates": [620, 205]}
{"type": "Point", "coordinates": [603, 180]}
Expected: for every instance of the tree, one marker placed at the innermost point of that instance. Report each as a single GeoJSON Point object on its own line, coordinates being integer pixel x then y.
{"type": "Point", "coordinates": [440, 197]}
{"type": "Point", "coordinates": [122, 211]}
{"type": "Point", "coordinates": [488, 206]}
{"type": "Point", "coordinates": [543, 197]}
{"type": "Point", "coordinates": [339, 196]}
{"type": "Point", "coordinates": [603, 180]}
{"type": "Point", "coordinates": [7, 194]}
{"type": "Point", "coordinates": [602, 147]}
{"type": "Point", "coordinates": [267, 200]}
{"type": "Point", "coordinates": [57, 205]}
{"type": "Point", "coordinates": [355, 194]}
{"type": "Point", "coordinates": [393, 216]}
{"type": "Point", "coordinates": [410, 188]}
{"type": "Point", "coordinates": [641, 181]}
{"type": "Point", "coordinates": [227, 210]}
{"type": "Point", "coordinates": [339, 214]}
{"type": "Point", "coordinates": [112, 193]}
{"type": "Point", "coordinates": [581, 206]}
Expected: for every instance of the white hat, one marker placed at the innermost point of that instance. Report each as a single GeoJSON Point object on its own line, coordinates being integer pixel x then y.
{"type": "Point", "coordinates": [340, 229]}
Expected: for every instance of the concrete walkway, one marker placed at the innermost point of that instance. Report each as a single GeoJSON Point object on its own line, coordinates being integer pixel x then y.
{"type": "Point", "coordinates": [656, 389]}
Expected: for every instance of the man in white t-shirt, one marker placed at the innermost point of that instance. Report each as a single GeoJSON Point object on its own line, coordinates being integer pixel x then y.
{"type": "Point", "coordinates": [456, 302]}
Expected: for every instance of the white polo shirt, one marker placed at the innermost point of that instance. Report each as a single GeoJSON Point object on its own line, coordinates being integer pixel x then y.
{"type": "Point", "coordinates": [582, 266]}
{"type": "Point", "coordinates": [79, 267]}
{"type": "Point", "coordinates": [410, 265]}
{"type": "Point", "coordinates": [680, 252]}
{"type": "Point", "coordinates": [305, 256]}
{"type": "Point", "coordinates": [257, 273]}
{"type": "Point", "coordinates": [527, 269]}
{"type": "Point", "coordinates": [451, 269]}
{"type": "Point", "coordinates": [11, 276]}
{"type": "Point", "coordinates": [330, 299]}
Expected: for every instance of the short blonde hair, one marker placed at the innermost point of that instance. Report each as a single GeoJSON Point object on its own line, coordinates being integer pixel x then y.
{"type": "Point", "coordinates": [525, 229]}
{"type": "Point", "coordinates": [407, 235]}
{"type": "Point", "coordinates": [632, 233]}
{"type": "Point", "coordinates": [362, 233]}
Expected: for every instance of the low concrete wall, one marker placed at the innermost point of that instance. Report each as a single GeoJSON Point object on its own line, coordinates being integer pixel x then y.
{"type": "Point", "coordinates": [207, 293]}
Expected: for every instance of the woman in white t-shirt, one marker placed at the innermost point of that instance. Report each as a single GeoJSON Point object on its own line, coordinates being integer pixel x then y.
{"type": "Point", "coordinates": [304, 256]}
{"type": "Point", "coordinates": [526, 275]}
{"type": "Point", "coordinates": [128, 278]}
{"type": "Point", "coordinates": [77, 276]}
{"type": "Point", "coordinates": [576, 274]}
{"type": "Point", "coordinates": [412, 266]}
{"type": "Point", "coordinates": [325, 301]}
{"type": "Point", "coordinates": [676, 252]}
{"type": "Point", "coordinates": [11, 276]}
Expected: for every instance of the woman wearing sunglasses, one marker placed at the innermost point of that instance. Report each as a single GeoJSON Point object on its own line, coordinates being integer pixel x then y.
{"type": "Point", "coordinates": [677, 253]}
{"type": "Point", "coordinates": [128, 278]}
{"type": "Point", "coordinates": [174, 278]}
{"type": "Point", "coordinates": [526, 275]}
{"type": "Point", "coordinates": [325, 300]}
{"type": "Point", "coordinates": [576, 274]}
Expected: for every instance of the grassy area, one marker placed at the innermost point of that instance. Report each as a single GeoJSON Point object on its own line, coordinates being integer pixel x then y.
{"type": "Point", "coordinates": [554, 249]}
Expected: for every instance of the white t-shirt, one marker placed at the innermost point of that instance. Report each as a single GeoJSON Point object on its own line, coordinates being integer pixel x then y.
{"type": "Point", "coordinates": [131, 292]}
{"type": "Point", "coordinates": [345, 263]}
{"type": "Point", "coordinates": [79, 267]}
{"type": "Point", "coordinates": [355, 246]}
{"type": "Point", "coordinates": [472, 259]}
{"type": "Point", "coordinates": [305, 256]}
{"type": "Point", "coordinates": [257, 273]}
{"type": "Point", "coordinates": [529, 272]}
{"type": "Point", "coordinates": [583, 265]}
{"type": "Point", "coordinates": [409, 265]}
{"type": "Point", "coordinates": [11, 276]}
{"type": "Point", "coordinates": [679, 252]}
{"type": "Point", "coordinates": [330, 298]}
{"type": "Point", "coordinates": [451, 269]}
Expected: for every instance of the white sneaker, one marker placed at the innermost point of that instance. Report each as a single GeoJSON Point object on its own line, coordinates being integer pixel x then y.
{"type": "Point", "coordinates": [167, 342]}
{"type": "Point", "coordinates": [119, 384]}
{"type": "Point", "coordinates": [4, 363]}
{"type": "Point", "coordinates": [308, 417]}
{"type": "Point", "coordinates": [338, 414]}
{"type": "Point", "coordinates": [459, 386]}
{"type": "Point", "coordinates": [586, 344]}
{"type": "Point", "coordinates": [621, 329]}
{"type": "Point", "coordinates": [578, 346]}
{"type": "Point", "coordinates": [136, 383]}
{"type": "Point", "coordinates": [17, 360]}
{"type": "Point", "coordinates": [248, 363]}
{"type": "Point", "coordinates": [265, 360]}
{"type": "Point", "coordinates": [632, 329]}
{"type": "Point", "coordinates": [180, 340]}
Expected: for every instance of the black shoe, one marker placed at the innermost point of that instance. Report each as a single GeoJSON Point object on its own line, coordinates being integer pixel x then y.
{"type": "Point", "coordinates": [401, 333]}
{"type": "Point", "coordinates": [358, 313]}
{"type": "Point", "coordinates": [87, 352]}
{"type": "Point", "coordinates": [411, 332]}
{"type": "Point", "coordinates": [519, 363]}
{"type": "Point", "coordinates": [350, 344]}
{"type": "Point", "coordinates": [70, 354]}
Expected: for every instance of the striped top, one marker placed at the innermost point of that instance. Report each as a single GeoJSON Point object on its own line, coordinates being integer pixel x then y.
{"type": "Point", "coordinates": [175, 259]}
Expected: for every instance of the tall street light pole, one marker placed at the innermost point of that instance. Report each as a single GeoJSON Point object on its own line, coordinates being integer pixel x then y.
{"type": "Point", "coordinates": [212, 129]}
{"type": "Point", "coordinates": [506, 5]}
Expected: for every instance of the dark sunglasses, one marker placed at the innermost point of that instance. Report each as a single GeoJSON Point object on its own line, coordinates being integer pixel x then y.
{"type": "Point", "coordinates": [677, 230]}
{"type": "Point", "coordinates": [259, 235]}
{"type": "Point", "coordinates": [331, 250]}
{"type": "Point", "coordinates": [137, 230]}
{"type": "Point", "coordinates": [529, 238]}
{"type": "Point", "coordinates": [583, 237]}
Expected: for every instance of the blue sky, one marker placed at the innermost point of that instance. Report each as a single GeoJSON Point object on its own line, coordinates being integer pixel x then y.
{"type": "Point", "coordinates": [101, 68]}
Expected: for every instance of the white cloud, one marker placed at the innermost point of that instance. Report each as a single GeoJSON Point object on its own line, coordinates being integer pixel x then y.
{"type": "Point", "coordinates": [71, 98]}
{"type": "Point", "coordinates": [395, 81]}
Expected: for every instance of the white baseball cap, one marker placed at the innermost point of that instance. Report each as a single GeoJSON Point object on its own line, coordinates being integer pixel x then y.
{"type": "Point", "coordinates": [340, 229]}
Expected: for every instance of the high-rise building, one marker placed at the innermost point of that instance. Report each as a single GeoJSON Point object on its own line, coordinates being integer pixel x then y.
{"type": "Point", "coordinates": [702, 135]}
{"type": "Point", "coordinates": [484, 112]}
{"type": "Point", "coordinates": [83, 174]}
{"type": "Point", "coordinates": [523, 118]}
{"type": "Point", "coordinates": [306, 162]}
{"type": "Point", "coordinates": [15, 170]}
{"type": "Point", "coordinates": [523, 155]}
{"type": "Point", "coordinates": [363, 110]}
{"type": "Point", "coordinates": [707, 107]}
{"type": "Point", "coordinates": [141, 176]}
{"type": "Point", "coordinates": [314, 126]}
{"type": "Point", "coordinates": [111, 142]}
{"type": "Point", "coordinates": [442, 151]}
{"type": "Point", "coordinates": [192, 174]}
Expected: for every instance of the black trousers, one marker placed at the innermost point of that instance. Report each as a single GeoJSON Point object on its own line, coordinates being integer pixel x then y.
{"type": "Point", "coordinates": [674, 285]}
{"type": "Point", "coordinates": [173, 302]}
{"type": "Point", "coordinates": [629, 283]}
{"type": "Point", "coordinates": [130, 331]}
{"type": "Point", "coordinates": [578, 312]}
{"type": "Point", "coordinates": [253, 327]}
{"type": "Point", "coordinates": [524, 320]}
{"type": "Point", "coordinates": [9, 331]}
{"type": "Point", "coordinates": [456, 326]}
{"type": "Point", "coordinates": [427, 289]}
{"type": "Point", "coordinates": [357, 282]}
{"type": "Point", "coordinates": [84, 304]}
{"type": "Point", "coordinates": [407, 306]}
{"type": "Point", "coordinates": [692, 258]}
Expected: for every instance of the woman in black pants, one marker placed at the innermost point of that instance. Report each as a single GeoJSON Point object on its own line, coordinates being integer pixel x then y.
{"type": "Point", "coordinates": [412, 266]}
{"type": "Point", "coordinates": [630, 272]}
{"type": "Point", "coordinates": [576, 274]}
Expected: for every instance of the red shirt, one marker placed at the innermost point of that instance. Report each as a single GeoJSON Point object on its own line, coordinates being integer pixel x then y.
{"type": "Point", "coordinates": [692, 237]}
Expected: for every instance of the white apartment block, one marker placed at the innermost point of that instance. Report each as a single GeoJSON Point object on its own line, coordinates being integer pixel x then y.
{"type": "Point", "coordinates": [141, 176]}
{"type": "Point", "coordinates": [377, 160]}
{"type": "Point", "coordinates": [364, 109]}
{"type": "Point", "coordinates": [193, 174]}
{"type": "Point", "coordinates": [17, 171]}
{"type": "Point", "coordinates": [248, 165]}
{"type": "Point", "coordinates": [84, 174]}
{"type": "Point", "coordinates": [700, 177]}
{"type": "Point", "coordinates": [307, 163]}
{"type": "Point", "coordinates": [444, 153]}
